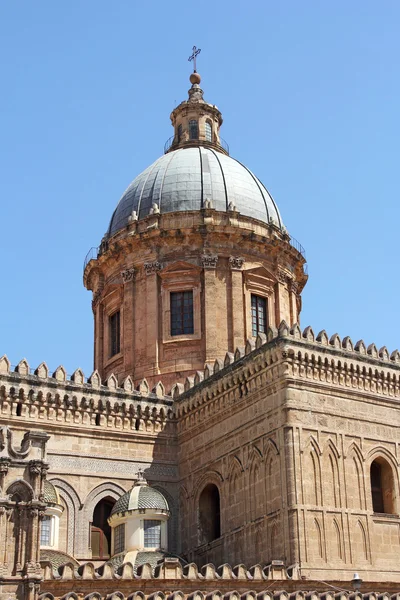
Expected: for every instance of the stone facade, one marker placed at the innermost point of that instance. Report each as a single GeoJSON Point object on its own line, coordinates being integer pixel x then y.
{"type": "Point", "coordinates": [271, 446]}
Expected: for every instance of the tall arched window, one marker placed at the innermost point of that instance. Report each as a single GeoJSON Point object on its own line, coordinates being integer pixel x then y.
{"type": "Point", "coordinates": [208, 130]}
{"type": "Point", "coordinates": [193, 130]}
{"type": "Point", "coordinates": [382, 487]}
{"type": "Point", "coordinates": [101, 530]}
{"type": "Point", "coordinates": [179, 133]}
{"type": "Point", "coordinates": [209, 514]}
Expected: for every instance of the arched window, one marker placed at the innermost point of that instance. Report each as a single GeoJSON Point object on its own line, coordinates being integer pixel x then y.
{"type": "Point", "coordinates": [101, 530]}
{"type": "Point", "coordinates": [209, 514]}
{"type": "Point", "coordinates": [179, 133]}
{"type": "Point", "coordinates": [193, 130]}
{"type": "Point", "coordinates": [382, 487]}
{"type": "Point", "coordinates": [208, 130]}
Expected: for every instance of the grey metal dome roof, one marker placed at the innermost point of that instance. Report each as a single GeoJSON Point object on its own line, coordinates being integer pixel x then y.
{"type": "Point", "coordinates": [184, 179]}
{"type": "Point", "coordinates": [50, 493]}
{"type": "Point", "coordinates": [138, 498]}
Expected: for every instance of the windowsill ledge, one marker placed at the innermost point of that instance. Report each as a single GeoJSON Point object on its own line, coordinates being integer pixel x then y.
{"type": "Point", "coordinates": [182, 338]}
{"type": "Point", "coordinates": [113, 359]}
{"type": "Point", "coordinates": [385, 516]}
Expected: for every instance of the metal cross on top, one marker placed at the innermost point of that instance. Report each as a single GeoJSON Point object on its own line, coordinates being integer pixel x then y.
{"type": "Point", "coordinates": [192, 57]}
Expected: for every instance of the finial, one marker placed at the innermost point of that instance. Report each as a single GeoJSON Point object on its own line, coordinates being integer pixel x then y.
{"type": "Point", "coordinates": [194, 77]}
{"type": "Point", "coordinates": [140, 479]}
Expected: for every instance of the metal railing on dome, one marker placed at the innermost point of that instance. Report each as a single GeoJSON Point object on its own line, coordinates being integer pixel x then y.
{"type": "Point", "coordinates": [173, 142]}
{"type": "Point", "coordinates": [297, 246]}
{"type": "Point", "coordinates": [91, 255]}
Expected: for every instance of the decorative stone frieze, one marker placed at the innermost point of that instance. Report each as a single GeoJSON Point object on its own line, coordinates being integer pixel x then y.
{"type": "Point", "coordinates": [128, 275]}
{"type": "Point", "coordinates": [152, 268]}
{"type": "Point", "coordinates": [236, 262]}
{"type": "Point", "coordinates": [209, 261]}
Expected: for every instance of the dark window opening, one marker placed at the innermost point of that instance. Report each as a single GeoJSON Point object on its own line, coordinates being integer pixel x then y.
{"type": "Point", "coordinates": [382, 487]}
{"type": "Point", "coordinates": [19, 409]}
{"type": "Point", "coordinates": [208, 130]}
{"type": "Point", "coordinates": [119, 538]}
{"type": "Point", "coordinates": [152, 534]}
{"type": "Point", "coordinates": [209, 514]}
{"type": "Point", "coordinates": [258, 315]}
{"type": "Point", "coordinates": [193, 130]}
{"type": "Point", "coordinates": [101, 530]}
{"type": "Point", "coordinates": [182, 313]}
{"type": "Point", "coordinates": [179, 133]}
{"type": "Point", "coordinates": [115, 333]}
{"type": "Point", "coordinates": [97, 419]}
{"type": "Point", "coordinates": [137, 424]}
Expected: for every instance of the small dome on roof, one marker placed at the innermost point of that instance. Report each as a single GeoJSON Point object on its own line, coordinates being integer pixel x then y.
{"type": "Point", "coordinates": [140, 497]}
{"type": "Point", "coordinates": [50, 493]}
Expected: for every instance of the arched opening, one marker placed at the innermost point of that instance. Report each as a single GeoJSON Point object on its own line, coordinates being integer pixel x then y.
{"type": "Point", "coordinates": [208, 131]}
{"type": "Point", "coordinates": [100, 535]}
{"type": "Point", "coordinates": [193, 129]}
{"type": "Point", "coordinates": [382, 487]}
{"type": "Point", "coordinates": [179, 133]}
{"type": "Point", "coordinates": [18, 412]}
{"type": "Point", "coordinates": [209, 514]}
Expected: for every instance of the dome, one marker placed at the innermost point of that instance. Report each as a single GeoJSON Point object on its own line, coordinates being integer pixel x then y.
{"type": "Point", "coordinates": [183, 179]}
{"type": "Point", "coordinates": [140, 497]}
{"type": "Point", "coordinates": [50, 493]}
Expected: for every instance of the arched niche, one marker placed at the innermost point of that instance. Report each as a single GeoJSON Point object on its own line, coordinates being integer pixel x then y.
{"type": "Point", "coordinates": [209, 514]}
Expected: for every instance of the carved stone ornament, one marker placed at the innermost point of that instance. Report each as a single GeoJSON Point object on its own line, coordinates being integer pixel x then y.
{"type": "Point", "coordinates": [96, 298]}
{"type": "Point", "coordinates": [282, 276]}
{"type": "Point", "coordinates": [294, 286]}
{"type": "Point", "coordinates": [236, 262]}
{"type": "Point", "coordinates": [209, 261]}
{"type": "Point", "coordinates": [4, 464]}
{"type": "Point", "coordinates": [35, 467]}
{"type": "Point", "coordinates": [152, 267]}
{"type": "Point", "coordinates": [128, 275]}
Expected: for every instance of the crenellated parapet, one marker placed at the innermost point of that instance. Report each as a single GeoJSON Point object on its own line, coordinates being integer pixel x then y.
{"type": "Point", "coordinates": [289, 352]}
{"type": "Point", "coordinates": [170, 581]}
{"type": "Point", "coordinates": [40, 396]}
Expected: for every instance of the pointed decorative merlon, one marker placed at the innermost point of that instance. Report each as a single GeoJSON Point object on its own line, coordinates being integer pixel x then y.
{"type": "Point", "coordinates": [78, 377]}
{"type": "Point", "coordinates": [360, 347]}
{"type": "Point", "coordinates": [208, 370]}
{"type": "Point", "coordinates": [94, 379]}
{"type": "Point", "coordinates": [112, 382]}
{"type": "Point", "coordinates": [199, 377]}
{"type": "Point", "coordinates": [4, 364]}
{"type": "Point", "coordinates": [261, 339]}
{"type": "Point", "coordinates": [335, 341]}
{"type": "Point", "coordinates": [372, 351]}
{"type": "Point", "coordinates": [395, 356]}
{"type": "Point", "coordinates": [143, 388]}
{"type": "Point", "coordinates": [159, 390]}
{"type": "Point", "coordinates": [283, 329]}
{"type": "Point", "coordinates": [347, 344]}
{"type": "Point", "coordinates": [250, 346]}
{"type": "Point", "coordinates": [42, 371]}
{"type": "Point", "coordinates": [308, 334]}
{"type": "Point", "coordinates": [384, 353]}
{"type": "Point", "coordinates": [60, 374]}
{"type": "Point", "coordinates": [229, 359]}
{"type": "Point", "coordinates": [239, 353]}
{"type": "Point", "coordinates": [22, 367]}
{"type": "Point", "coordinates": [189, 383]}
{"type": "Point", "coordinates": [296, 332]}
{"type": "Point", "coordinates": [322, 338]}
{"type": "Point", "coordinates": [177, 390]}
{"type": "Point", "coordinates": [127, 384]}
{"type": "Point", "coordinates": [272, 333]}
{"type": "Point", "coordinates": [208, 571]}
{"type": "Point", "coordinates": [240, 572]}
{"type": "Point", "coordinates": [218, 365]}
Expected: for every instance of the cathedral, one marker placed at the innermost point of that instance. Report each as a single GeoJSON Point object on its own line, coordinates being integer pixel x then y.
{"type": "Point", "coordinates": [218, 451]}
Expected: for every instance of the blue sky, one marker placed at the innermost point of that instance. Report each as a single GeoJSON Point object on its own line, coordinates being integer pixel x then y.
{"type": "Point", "coordinates": [310, 95]}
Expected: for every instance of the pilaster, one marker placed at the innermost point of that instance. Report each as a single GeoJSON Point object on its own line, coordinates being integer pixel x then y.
{"type": "Point", "coordinates": [209, 263]}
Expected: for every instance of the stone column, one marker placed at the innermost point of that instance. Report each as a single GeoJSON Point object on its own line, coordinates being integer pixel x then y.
{"type": "Point", "coordinates": [210, 307]}
{"type": "Point", "coordinates": [152, 318]}
{"type": "Point", "coordinates": [128, 329]}
{"type": "Point", "coordinates": [237, 317]}
{"type": "Point", "coordinates": [98, 333]}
